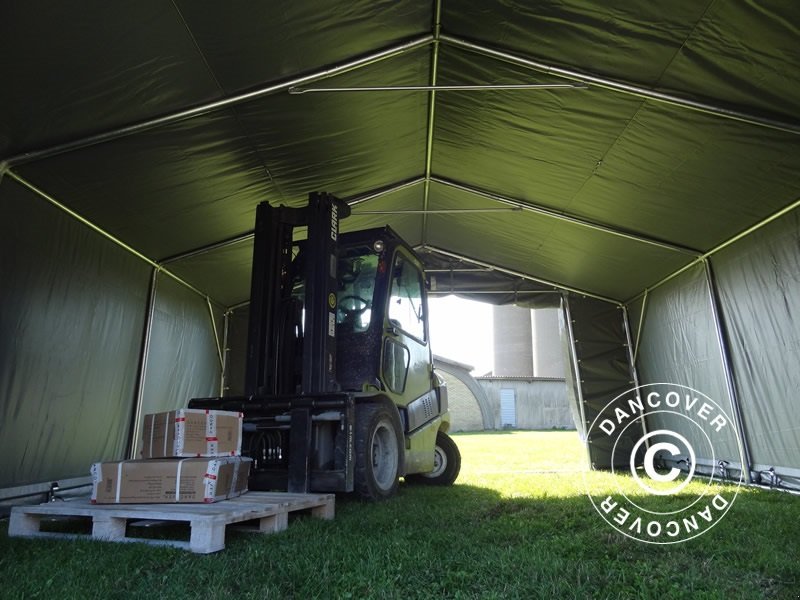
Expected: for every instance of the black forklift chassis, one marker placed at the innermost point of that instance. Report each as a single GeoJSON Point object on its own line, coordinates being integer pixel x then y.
{"type": "Point", "coordinates": [298, 443]}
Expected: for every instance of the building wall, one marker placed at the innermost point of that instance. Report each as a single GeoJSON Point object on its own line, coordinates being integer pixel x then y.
{"type": "Point", "coordinates": [540, 403]}
{"type": "Point", "coordinates": [465, 412]}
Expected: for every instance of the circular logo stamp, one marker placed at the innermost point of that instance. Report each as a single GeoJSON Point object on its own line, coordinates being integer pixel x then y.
{"type": "Point", "coordinates": [664, 437]}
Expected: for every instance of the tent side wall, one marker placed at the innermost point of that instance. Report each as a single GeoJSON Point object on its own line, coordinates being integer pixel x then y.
{"type": "Point", "coordinates": [182, 361]}
{"type": "Point", "coordinates": [756, 281]}
{"type": "Point", "coordinates": [759, 288]}
{"type": "Point", "coordinates": [679, 344]}
{"type": "Point", "coordinates": [73, 310]}
{"type": "Point", "coordinates": [74, 313]}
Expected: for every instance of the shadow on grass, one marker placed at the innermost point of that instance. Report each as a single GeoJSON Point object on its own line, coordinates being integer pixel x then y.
{"type": "Point", "coordinates": [465, 541]}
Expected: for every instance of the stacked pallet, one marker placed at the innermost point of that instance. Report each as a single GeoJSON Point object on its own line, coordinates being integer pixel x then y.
{"type": "Point", "coordinates": [191, 462]}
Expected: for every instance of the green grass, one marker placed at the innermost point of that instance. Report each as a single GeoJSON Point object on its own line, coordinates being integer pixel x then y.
{"type": "Point", "coordinates": [512, 527]}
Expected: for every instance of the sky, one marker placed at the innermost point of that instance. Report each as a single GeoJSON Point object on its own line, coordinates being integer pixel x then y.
{"type": "Point", "coordinates": [461, 330]}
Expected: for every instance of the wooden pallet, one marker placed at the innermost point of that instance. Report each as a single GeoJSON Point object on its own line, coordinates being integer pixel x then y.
{"type": "Point", "coordinates": [207, 521]}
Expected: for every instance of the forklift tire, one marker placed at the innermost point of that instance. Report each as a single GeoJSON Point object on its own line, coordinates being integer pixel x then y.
{"type": "Point", "coordinates": [379, 451]}
{"type": "Point", "coordinates": [446, 463]}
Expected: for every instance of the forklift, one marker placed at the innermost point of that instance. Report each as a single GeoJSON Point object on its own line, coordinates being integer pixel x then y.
{"type": "Point", "coordinates": [340, 393]}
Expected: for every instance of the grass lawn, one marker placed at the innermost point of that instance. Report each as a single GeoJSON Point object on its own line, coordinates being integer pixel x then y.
{"type": "Point", "coordinates": [516, 525]}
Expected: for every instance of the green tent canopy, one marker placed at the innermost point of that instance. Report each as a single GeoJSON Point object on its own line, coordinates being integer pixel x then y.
{"type": "Point", "coordinates": [635, 164]}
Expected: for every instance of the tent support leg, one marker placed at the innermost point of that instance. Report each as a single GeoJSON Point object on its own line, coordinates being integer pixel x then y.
{"type": "Point", "coordinates": [224, 376]}
{"type": "Point", "coordinates": [639, 327]}
{"type": "Point", "coordinates": [626, 323]}
{"type": "Point", "coordinates": [136, 417]}
{"type": "Point", "coordinates": [727, 366]}
{"type": "Point", "coordinates": [216, 333]}
{"type": "Point", "coordinates": [576, 373]}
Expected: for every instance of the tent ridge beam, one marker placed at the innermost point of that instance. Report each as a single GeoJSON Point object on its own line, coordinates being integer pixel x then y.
{"type": "Point", "coordinates": [359, 199]}
{"type": "Point", "coordinates": [570, 218]}
{"type": "Point", "coordinates": [488, 87]}
{"type": "Point", "coordinates": [222, 103]}
{"type": "Point", "coordinates": [624, 87]}
{"type": "Point", "coordinates": [520, 274]}
{"type": "Point", "coordinates": [454, 290]}
{"type": "Point", "coordinates": [248, 235]}
{"type": "Point", "coordinates": [436, 34]}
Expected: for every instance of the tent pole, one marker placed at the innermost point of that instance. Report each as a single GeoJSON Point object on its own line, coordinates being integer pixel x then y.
{"type": "Point", "coordinates": [3, 169]}
{"type": "Point", "coordinates": [223, 378]}
{"type": "Point", "coordinates": [623, 87]}
{"type": "Point", "coordinates": [437, 30]}
{"type": "Point", "coordinates": [741, 235]}
{"type": "Point", "coordinates": [45, 196]}
{"type": "Point", "coordinates": [383, 191]}
{"type": "Point", "coordinates": [632, 363]}
{"type": "Point", "coordinates": [247, 236]}
{"type": "Point", "coordinates": [629, 345]}
{"type": "Point", "coordinates": [576, 373]}
{"type": "Point", "coordinates": [216, 334]}
{"type": "Point", "coordinates": [639, 327]}
{"type": "Point", "coordinates": [136, 417]}
{"type": "Point", "coordinates": [205, 108]}
{"type": "Point", "coordinates": [519, 274]}
{"type": "Point", "coordinates": [562, 216]}
{"type": "Point", "coordinates": [727, 366]}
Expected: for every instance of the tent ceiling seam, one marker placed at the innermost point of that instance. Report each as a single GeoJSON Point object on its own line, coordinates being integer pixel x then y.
{"type": "Point", "coordinates": [437, 30]}
{"type": "Point", "coordinates": [234, 114]}
{"type": "Point", "coordinates": [567, 217]}
{"type": "Point", "coordinates": [214, 105]}
{"type": "Point", "coordinates": [623, 87]}
{"type": "Point", "coordinates": [520, 274]}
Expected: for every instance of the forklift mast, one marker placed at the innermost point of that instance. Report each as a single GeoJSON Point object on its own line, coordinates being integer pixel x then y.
{"type": "Point", "coordinates": [291, 344]}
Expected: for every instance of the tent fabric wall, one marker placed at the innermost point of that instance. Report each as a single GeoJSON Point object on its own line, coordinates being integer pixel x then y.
{"type": "Point", "coordinates": [758, 279]}
{"type": "Point", "coordinates": [73, 309]}
{"type": "Point", "coordinates": [678, 344]}
{"type": "Point", "coordinates": [182, 361]}
{"type": "Point", "coordinates": [603, 371]}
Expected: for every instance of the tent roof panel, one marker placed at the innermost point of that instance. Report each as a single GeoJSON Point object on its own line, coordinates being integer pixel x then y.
{"type": "Point", "coordinates": [610, 157]}
{"type": "Point", "coordinates": [246, 44]}
{"type": "Point", "coordinates": [79, 70]}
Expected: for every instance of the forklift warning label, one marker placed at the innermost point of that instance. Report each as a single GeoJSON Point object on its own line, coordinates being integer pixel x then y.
{"type": "Point", "coordinates": [676, 456]}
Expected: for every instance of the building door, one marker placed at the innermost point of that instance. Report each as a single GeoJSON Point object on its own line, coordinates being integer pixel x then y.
{"type": "Point", "coordinates": [508, 409]}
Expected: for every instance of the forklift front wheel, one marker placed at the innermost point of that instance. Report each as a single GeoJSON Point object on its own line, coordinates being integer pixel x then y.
{"type": "Point", "coordinates": [446, 463]}
{"type": "Point", "coordinates": [379, 449]}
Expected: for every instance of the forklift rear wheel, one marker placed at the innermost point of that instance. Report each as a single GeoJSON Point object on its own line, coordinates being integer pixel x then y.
{"type": "Point", "coordinates": [446, 463]}
{"type": "Point", "coordinates": [378, 447]}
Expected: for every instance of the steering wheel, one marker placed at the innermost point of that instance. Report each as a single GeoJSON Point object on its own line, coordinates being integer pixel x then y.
{"type": "Point", "coordinates": [352, 307]}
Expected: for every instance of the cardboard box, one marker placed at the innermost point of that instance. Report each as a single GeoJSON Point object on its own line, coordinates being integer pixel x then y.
{"type": "Point", "coordinates": [192, 432]}
{"type": "Point", "coordinates": [169, 480]}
